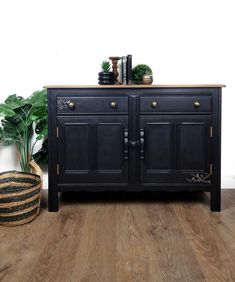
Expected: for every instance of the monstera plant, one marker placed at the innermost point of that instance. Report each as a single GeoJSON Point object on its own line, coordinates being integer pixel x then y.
{"type": "Point", "coordinates": [23, 122]}
{"type": "Point", "coordinates": [21, 117]}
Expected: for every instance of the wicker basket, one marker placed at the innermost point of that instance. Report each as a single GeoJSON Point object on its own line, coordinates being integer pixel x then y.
{"type": "Point", "coordinates": [20, 195]}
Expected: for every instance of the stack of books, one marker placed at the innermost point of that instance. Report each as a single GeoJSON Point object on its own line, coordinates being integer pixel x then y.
{"type": "Point", "coordinates": [126, 69]}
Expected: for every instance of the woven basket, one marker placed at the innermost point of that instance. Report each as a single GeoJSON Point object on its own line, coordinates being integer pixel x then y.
{"type": "Point", "coordinates": [20, 195]}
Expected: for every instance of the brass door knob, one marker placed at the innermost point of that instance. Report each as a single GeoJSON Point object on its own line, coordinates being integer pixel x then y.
{"type": "Point", "coordinates": [71, 105]}
{"type": "Point", "coordinates": [196, 104]}
{"type": "Point", "coordinates": [154, 104]}
{"type": "Point", "coordinates": [113, 105]}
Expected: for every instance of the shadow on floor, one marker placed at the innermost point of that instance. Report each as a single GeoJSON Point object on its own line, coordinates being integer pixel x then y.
{"type": "Point", "coordinates": [121, 196]}
{"type": "Point", "coordinates": [228, 197]}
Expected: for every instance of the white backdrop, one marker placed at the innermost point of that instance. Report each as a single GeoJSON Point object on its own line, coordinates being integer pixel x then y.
{"type": "Point", "coordinates": [63, 42]}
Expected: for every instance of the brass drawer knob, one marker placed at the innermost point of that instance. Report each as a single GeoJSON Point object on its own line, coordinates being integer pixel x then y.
{"type": "Point", "coordinates": [113, 105]}
{"type": "Point", "coordinates": [71, 105]}
{"type": "Point", "coordinates": [196, 104]}
{"type": "Point", "coordinates": [154, 104]}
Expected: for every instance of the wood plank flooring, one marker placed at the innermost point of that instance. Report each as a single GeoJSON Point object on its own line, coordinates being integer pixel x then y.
{"type": "Point", "coordinates": [123, 237]}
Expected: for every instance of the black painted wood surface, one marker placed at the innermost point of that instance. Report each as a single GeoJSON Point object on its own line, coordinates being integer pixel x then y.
{"type": "Point", "coordinates": [134, 140]}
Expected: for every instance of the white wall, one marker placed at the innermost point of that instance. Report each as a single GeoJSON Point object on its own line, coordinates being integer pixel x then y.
{"type": "Point", "coordinates": [64, 42]}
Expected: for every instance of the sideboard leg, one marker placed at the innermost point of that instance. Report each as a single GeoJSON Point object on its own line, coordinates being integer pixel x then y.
{"type": "Point", "coordinates": [53, 199]}
{"type": "Point", "coordinates": [215, 200]}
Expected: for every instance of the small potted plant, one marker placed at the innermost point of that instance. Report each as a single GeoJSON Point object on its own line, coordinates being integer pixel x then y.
{"type": "Point", "coordinates": [106, 76]}
{"type": "Point", "coordinates": [20, 190]}
{"type": "Point", "coordinates": [142, 74]}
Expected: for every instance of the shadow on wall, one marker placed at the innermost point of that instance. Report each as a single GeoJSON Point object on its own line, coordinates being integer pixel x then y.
{"type": "Point", "coordinates": [8, 158]}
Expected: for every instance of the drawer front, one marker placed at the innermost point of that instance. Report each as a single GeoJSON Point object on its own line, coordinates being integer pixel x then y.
{"type": "Point", "coordinates": [92, 105]}
{"type": "Point", "coordinates": [159, 104]}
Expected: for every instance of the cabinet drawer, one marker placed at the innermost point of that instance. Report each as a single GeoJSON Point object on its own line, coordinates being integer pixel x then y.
{"type": "Point", "coordinates": [92, 105]}
{"type": "Point", "coordinates": [159, 104]}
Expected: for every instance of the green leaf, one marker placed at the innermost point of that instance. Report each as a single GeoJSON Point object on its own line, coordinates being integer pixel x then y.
{"type": "Point", "coordinates": [38, 113]}
{"type": "Point", "coordinates": [34, 117]}
{"type": "Point", "coordinates": [105, 66]}
{"type": "Point", "coordinates": [12, 125]}
{"type": "Point", "coordinates": [14, 101]}
{"type": "Point", "coordinates": [42, 134]}
{"type": "Point", "coordinates": [38, 99]}
{"type": "Point", "coordinates": [1, 134]}
{"type": "Point", "coordinates": [8, 137]}
{"type": "Point", "coordinates": [6, 110]}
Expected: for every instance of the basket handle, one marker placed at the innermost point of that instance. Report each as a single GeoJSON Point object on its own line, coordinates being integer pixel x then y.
{"type": "Point", "coordinates": [36, 169]}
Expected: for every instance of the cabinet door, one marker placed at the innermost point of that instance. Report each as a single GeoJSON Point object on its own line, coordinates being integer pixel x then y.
{"type": "Point", "coordinates": [92, 150]}
{"type": "Point", "coordinates": [176, 149]}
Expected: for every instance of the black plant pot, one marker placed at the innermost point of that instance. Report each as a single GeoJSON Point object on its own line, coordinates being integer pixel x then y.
{"type": "Point", "coordinates": [106, 78]}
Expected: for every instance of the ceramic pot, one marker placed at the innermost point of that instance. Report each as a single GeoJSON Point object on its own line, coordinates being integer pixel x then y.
{"type": "Point", "coordinates": [147, 79]}
{"type": "Point", "coordinates": [106, 78]}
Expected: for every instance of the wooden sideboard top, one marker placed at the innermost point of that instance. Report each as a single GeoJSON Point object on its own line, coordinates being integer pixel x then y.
{"type": "Point", "coordinates": [140, 86]}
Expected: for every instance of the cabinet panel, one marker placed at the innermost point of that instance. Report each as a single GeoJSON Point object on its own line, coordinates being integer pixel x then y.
{"type": "Point", "coordinates": [109, 147]}
{"type": "Point", "coordinates": [193, 148]}
{"type": "Point", "coordinates": [175, 149]}
{"type": "Point", "coordinates": [76, 149]}
{"type": "Point", "coordinates": [91, 150]}
{"type": "Point", "coordinates": [159, 148]}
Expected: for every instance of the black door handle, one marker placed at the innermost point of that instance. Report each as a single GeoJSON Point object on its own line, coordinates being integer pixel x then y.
{"type": "Point", "coordinates": [142, 144]}
{"type": "Point", "coordinates": [125, 144]}
{"type": "Point", "coordinates": [134, 144]}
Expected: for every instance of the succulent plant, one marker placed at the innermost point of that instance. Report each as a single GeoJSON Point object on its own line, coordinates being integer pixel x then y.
{"type": "Point", "coordinates": [139, 71]}
{"type": "Point", "coordinates": [105, 66]}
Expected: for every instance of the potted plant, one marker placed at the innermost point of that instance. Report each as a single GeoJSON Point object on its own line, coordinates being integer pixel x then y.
{"type": "Point", "coordinates": [106, 76]}
{"type": "Point", "coordinates": [142, 74]}
{"type": "Point", "coordinates": [20, 191]}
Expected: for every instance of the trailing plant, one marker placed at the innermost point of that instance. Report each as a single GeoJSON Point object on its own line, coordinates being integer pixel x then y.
{"type": "Point", "coordinates": [105, 66]}
{"type": "Point", "coordinates": [22, 117]}
{"type": "Point", "coordinates": [139, 71]}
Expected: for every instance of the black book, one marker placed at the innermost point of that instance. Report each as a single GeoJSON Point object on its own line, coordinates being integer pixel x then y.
{"type": "Point", "coordinates": [129, 69]}
{"type": "Point", "coordinates": [124, 70]}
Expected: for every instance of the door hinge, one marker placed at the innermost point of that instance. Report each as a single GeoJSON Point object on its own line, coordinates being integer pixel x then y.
{"type": "Point", "coordinates": [211, 132]}
{"type": "Point", "coordinates": [57, 169]}
{"type": "Point", "coordinates": [57, 132]}
{"type": "Point", "coordinates": [211, 169]}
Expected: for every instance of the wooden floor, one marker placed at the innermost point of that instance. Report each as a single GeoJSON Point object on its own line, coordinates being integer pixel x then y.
{"type": "Point", "coordinates": [123, 237]}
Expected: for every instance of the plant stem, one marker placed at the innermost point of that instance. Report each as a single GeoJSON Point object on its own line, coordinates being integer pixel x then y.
{"type": "Point", "coordinates": [33, 147]}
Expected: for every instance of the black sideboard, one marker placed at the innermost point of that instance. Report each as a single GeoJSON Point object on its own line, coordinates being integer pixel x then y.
{"type": "Point", "coordinates": [134, 138]}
